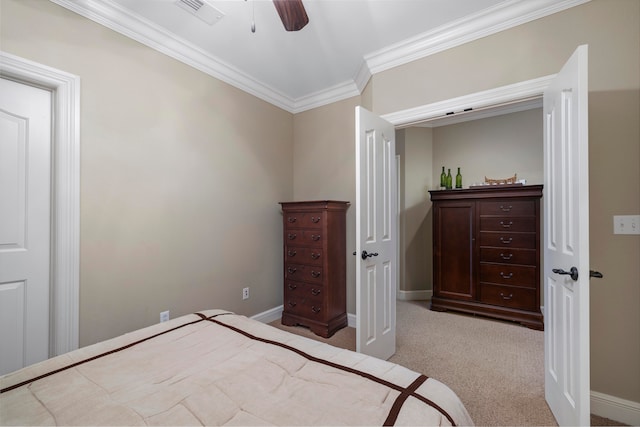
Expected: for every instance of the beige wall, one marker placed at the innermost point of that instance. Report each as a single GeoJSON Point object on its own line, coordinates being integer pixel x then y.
{"type": "Point", "coordinates": [415, 148]}
{"type": "Point", "coordinates": [324, 166]}
{"type": "Point", "coordinates": [536, 49]}
{"type": "Point", "coordinates": [495, 147]}
{"type": "Point", "coordinates": [181, 176]}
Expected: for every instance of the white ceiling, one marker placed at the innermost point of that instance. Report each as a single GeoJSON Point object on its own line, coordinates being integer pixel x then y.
{"type": "Point", "coordinates": [332, 58]}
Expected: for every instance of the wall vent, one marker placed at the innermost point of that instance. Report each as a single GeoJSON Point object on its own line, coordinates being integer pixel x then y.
{"type": "Point", "coordinates": [202, 10]}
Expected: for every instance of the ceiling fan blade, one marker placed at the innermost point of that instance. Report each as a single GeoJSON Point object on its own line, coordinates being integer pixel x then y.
{"type": "Point", "coordinates": [292, 14]}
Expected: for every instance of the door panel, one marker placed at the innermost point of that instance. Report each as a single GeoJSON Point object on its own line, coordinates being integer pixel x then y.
{"type": "Point", "coordinates": [25, 186]}
{"type": "Point", "coordinates": [566, 243]}
{"type": "Point", "coordinates": [376, 217]}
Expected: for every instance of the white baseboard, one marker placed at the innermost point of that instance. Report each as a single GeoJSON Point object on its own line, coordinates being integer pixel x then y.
{"type": "Point", "coordinates": [414, 295]}
{"type": "Point", "coordinates": [614, 408]}
{"type": "Point", "coordinates": [270, 315]}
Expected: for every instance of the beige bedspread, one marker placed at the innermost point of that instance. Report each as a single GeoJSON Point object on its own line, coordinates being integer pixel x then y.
{"type": "Point", "coordinates": [218, 368]}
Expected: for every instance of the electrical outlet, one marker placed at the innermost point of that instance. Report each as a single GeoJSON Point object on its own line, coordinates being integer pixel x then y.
{"type": "Point", "coordinates": [245, 293]}
{"type": "Point", "coordinates": [164, 316]}
{"type": "Point", "coordinates": [626, 224]}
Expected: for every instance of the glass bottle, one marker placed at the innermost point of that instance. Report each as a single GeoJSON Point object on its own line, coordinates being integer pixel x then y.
{"type": "Point", "coordinates": [449, 180]}
{"type": "Point", "coordinates": [443, 180]}
{"type": "Point", "coordinates": [458, 179]}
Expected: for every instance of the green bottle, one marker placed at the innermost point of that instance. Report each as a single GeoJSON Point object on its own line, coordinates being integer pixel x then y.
{"type": "Point", "coordinates": [448, 180]}
{"type": "Point", "coordinates": [443, 180]}
{"type": "Point", "coordinates": [458, 179]}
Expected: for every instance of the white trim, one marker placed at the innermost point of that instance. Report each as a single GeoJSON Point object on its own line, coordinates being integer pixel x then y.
{"type": "Point", "coordinates": [614, 408]}
{"type": "Point", "coordinates": [503, 16]}
{"type": "Point", "coordinates": [479, 100]}
{"type": "Point", "coordinates": [114, 16]}
{"type": "Point", "coordinates": [270, 315]}
{"type": "Point", "coordinates": [420, 295]}
{"type": "Point", "coordinates": [65, 260]}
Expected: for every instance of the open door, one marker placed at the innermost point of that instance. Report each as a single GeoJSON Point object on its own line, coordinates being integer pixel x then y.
{"type": "Point", "coordinates": [566, 243]}
{"type": "Point", "coordinates": [376, 240]}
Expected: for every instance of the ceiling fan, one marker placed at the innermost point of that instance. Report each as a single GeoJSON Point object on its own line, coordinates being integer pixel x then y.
{"type": "Point", "coordinates": [292, 14]}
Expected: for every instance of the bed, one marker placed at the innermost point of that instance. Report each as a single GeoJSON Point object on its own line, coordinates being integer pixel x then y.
{"type": "Point", "coordinates": [218, 368]}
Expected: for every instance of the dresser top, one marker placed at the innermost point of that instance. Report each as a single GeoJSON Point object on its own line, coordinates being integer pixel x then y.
{"type": "Point", "coordinates": [316, 204]}
{"type": "Point", "coordinates": [488, 192]}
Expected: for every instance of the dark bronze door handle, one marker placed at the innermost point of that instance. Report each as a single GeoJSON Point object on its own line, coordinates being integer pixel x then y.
{"type": "Point", "coordinates": [573, 272]}
{"type": "Point", "coordinates": [366, 255]}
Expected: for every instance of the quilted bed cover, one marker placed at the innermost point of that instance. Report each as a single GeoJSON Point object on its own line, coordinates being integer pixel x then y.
{"type": "Point", "coordinates": [219, 368]}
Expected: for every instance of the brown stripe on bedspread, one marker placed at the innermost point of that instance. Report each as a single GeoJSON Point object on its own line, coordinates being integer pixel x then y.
{"type": "Point", "coordinates": [73, 365]}
{"type": "Point", "coordinates": [404, 392]}
{"type": "Point", "coordinates": [402, 397]}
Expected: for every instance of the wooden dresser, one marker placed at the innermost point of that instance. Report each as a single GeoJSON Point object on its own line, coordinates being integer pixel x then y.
{"type": "Point", "coordinates": [315, 295]}
{"type": "Point", "coordinates": [486, 252]}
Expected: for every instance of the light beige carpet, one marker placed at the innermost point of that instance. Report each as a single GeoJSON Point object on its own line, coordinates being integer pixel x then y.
{"type": "Point", "coordinates": [497, 368]}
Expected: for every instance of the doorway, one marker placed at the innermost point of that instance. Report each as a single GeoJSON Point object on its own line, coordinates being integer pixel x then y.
{"type": "Point", "coordinates": [65, 193]}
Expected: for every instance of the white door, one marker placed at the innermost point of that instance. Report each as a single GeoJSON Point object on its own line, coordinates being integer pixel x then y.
{"type": "Point", "coordinates": [566, 243]}
{"type": "Point", "coordinates": [376, 240]}
{"type": "Point", "coordinates": [25, 181]}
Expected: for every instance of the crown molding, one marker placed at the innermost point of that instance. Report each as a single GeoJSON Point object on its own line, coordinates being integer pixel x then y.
{"type": "Point", "coordinates": [500, 17]}
{"type": "Point", "coordinates": [113, 16]}
{"type": "Point", "coordinates": [503, 16]}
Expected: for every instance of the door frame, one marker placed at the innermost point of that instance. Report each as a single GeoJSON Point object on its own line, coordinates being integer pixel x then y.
{"type": "Point", "coordinates": [65, 194]}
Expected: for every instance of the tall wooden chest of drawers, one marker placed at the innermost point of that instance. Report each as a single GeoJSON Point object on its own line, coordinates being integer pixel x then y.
{"type": "Point", "coordinates": [486, 252]}
{"type": "Point", "coordinates": [315, 295]}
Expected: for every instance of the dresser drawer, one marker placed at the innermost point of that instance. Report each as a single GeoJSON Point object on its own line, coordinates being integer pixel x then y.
{"type": "Point", "coordinates": [303, 255]}
{"type": "Point", "coordinates": [508, 207]}
{"type": "Point", "coordinates": [507, 296]}
{"type": "Point", "coordinates": [505, 223]}
{"type": "Point", "coordinates": [305, 273]}
{"type": "Point", "coordinates": [304, 290]}
{"type": "Point", "coordinates": [509, 256]}
{"type": "Point", "coordinates": [508, 240]}
{"type": "Point", "coordinates": [303, 219]}
{"type": "Point", "coordinates": [303, 237]}
{"type": "Point", "coordinates": [303, 299]}
{"type": "Point", "coordinates": [506, 274]}
{"type": "Point", "coordinates": [310, 309]}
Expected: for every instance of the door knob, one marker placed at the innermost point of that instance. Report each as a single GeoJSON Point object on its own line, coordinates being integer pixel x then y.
{"type": "Point", "coordinates": [596, 274]}
{"type": "Point", "coordinates": [366, 255]}
{"type": "Point", "coordinates": [573, 272]}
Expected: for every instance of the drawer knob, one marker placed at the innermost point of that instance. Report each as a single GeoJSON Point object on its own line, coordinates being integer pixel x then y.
{"type": "Point", "coordinates": [506, 297]}
{"type": "Point", "coordinates": [506, 276]}
{"type": "Point", "coordinates": [291, 253]}
{"type": "Point", "coordinates": [315, 291]}
{"type": "Point", "coordinates": [292, 219]}
{"type": "Point", "coordinates": [292, 304]}
{"type": "Point", "coordinates": [506, 241]}
{"type": "Point", "coordinates": [506, 225]}
{"type": "Point", "coordinates": [506, 257]}
{"type": "Point", "coordinates": [315, 274]}
{"type": "Point", "coordinates": [291, 236]}
{"type": "Point", "coordinates": [315, 219]}
{"type": "Point", "coordinates": [504, 208]}
{"type": "Point", "coordinates": [292, 270]}
{"type": "Point", "coordinates": [315, 309]}
{"type": "Point", "coordinates": [315, 237]}
{"type": "Point", "coordinates": [292, 286]}
{"type": "Point", "coordinates": [315, 255]}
